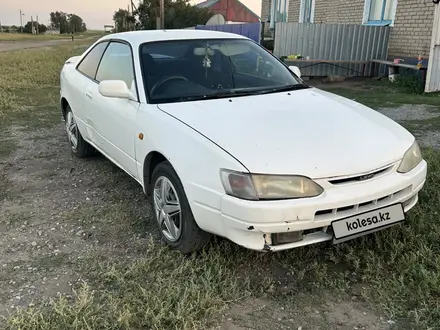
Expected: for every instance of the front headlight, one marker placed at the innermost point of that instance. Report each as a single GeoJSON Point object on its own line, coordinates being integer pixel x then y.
{"type": "Point", "coordinates": [268, 187]}
{"type": "Point", "coordinates": [412, 158]}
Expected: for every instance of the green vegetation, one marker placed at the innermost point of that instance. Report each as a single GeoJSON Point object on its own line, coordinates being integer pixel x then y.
{"type": "Point", "coordinates": [386, 94]}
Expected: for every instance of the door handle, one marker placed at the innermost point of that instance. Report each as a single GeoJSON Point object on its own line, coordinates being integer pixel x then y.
{"type": "Point", "coordinates": [89, 95]}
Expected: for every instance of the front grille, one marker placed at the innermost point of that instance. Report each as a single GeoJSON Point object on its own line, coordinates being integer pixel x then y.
{"type": "Point", "coordinates": [363, 177]}
{"type": "Point", "coordinates": [345, 211]}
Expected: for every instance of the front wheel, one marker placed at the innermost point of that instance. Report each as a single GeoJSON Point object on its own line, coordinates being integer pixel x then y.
{"type": "Point", "coordinates": [172, 212]}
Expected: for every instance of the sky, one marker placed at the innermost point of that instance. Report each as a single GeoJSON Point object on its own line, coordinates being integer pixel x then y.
{"type": "Point", "coordinates": [95, 13]}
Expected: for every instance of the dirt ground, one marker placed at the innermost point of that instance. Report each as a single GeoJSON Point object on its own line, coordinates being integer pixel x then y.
{"type": "Point", "coordinates": [45, 222]}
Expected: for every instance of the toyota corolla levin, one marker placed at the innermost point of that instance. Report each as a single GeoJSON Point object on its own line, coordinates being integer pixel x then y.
{"type": "Point", "coordinates": [227, 140]}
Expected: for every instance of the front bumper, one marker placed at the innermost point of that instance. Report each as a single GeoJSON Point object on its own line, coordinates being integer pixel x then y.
{"type": "Point", "coordinates": [251, 223]}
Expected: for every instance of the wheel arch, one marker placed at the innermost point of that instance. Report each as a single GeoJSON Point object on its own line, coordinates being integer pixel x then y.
{"type": "Point", "coordinates": [64, 105]}
{"type": "Point", "coordinates": [153, 159]}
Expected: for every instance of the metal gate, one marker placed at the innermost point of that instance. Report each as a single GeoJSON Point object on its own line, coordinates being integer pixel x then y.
{"type": "Point", "coordinates": [433, 74]}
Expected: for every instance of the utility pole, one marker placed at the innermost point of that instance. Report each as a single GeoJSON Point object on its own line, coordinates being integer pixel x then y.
{"type": "Point", "coordinates": [21, 21]}
{"type": "Point", "coordinates": [162, 15]}
{"type": "Point", "coordinates": [32, 24]}
{"type": "Point", "coordinates": [133, 9]}
{"type": "Point", "coordinates": [1, 27]}
{"type": "Point", "coordinates": [38, 30]}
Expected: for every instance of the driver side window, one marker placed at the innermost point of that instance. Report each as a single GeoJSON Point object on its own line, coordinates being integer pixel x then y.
{"type": "Point", "coordinates": [117, 64]}
{"type": "Point", "coordinates": [249, 63]}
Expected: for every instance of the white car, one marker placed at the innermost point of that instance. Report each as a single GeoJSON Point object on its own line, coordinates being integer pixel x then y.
{"type": "Point", "coordinates": [227, 140]}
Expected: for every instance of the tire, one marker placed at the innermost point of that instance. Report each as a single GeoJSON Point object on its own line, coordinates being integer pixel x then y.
{"type": "Point", "coordinates": [186, 236]}
{"type": "Point", "coordinates": [79, 147]}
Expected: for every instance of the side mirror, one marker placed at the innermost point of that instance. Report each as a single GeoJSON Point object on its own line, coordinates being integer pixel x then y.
{"type": "Point", "coordinates": [115, 88]}
{"type": "Point", "coordinates": [295, 70]}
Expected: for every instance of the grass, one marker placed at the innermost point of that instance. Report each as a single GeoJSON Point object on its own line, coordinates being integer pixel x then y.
{"type": "Point", "coordinates": [385, 94]}
{"type": "Point", "coordinates": [29, 85]}
{"type": "Point", "coordinates": [398, 270]}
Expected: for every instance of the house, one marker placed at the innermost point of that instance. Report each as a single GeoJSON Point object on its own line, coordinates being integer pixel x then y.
{"type": "Point", "coordinates": [231, 10]}
{"type": "Point", "coordinates": [411, 20]}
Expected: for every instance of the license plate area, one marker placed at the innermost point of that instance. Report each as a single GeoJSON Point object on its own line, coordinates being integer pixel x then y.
{"type": "Point", "coordinates": [367, 222]}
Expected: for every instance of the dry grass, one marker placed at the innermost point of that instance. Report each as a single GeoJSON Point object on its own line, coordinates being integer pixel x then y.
{"type": "Point", "coordinates": [29, 80]}
{"type": "Point", "coordinates": [399, 269]}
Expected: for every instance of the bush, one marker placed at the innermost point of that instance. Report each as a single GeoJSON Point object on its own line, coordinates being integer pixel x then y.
{"type": "Point", "coordinates": [413, 83]}
{"type": "Point", "coordinates": [268, 44]}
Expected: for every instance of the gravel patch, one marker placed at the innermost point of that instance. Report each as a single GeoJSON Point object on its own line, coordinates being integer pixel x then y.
{"type": "Point", "coordinates": [426, 136]}
{"type": "Point", "coordinates": [428, 139]}
{"type": "Point", "coordinates": [411, 112]}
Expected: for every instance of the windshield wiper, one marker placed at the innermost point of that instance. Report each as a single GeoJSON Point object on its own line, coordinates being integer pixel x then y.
{"type": "Point", "coordinates": [235, 93]}
{"type": "Point", "coordinates": [219, 95]}
{"type": "Point", "coordinates": [285, 88]}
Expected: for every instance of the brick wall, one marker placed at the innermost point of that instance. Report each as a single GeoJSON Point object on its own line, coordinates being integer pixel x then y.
{"type": "Point", "coordinates": [265, 13]}
{"type": "Point", "coordinates": [265, 9]}
{"type": "Point", "coordinates": [412, 31]}
{"type": "Point", "coordinates": [293, 12]}
{"type": "Point", "coordinates": [339, 11]}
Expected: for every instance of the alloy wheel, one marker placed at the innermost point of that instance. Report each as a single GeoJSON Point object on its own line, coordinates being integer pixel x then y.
{"type": "Point", "coordinates": [167, 208]}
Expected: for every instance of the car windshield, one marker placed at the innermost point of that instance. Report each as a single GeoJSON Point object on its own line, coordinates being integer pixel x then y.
{"type": "Point", "coordinates": [189, 70]}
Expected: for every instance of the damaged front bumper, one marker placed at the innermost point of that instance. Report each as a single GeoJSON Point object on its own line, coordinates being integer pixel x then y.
{"type": "Point", "coordinates": [259, 225]}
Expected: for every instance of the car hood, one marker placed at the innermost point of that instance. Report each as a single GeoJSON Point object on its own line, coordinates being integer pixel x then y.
{"type": "Point", "coordinates": [307, 132]}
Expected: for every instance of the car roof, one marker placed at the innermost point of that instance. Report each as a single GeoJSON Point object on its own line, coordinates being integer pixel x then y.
{"type": "Point", "coordinates": [139, 37]}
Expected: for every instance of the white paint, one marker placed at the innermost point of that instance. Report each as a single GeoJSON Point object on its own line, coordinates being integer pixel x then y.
{"type": "Point", "coordinates": [295, 70]}
{"type": "Point", "coordinates": [115, 88]}
{"type": "Point", "coordinates": [305, 132]}
{"type": "Point", "coordinates": [433, 73]}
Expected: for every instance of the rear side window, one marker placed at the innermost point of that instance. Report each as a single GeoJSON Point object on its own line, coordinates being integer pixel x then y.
{"type": "Point", "coordinates": [89, 64]}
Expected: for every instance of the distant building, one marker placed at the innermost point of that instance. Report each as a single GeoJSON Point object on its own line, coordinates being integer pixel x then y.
{"type": "Point", "coordinates": [109, 28]}
{"type": "Point", "coordinates": [231, 10]}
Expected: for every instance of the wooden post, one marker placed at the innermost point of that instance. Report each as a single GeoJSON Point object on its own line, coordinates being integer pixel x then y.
{"type": "Point", "coordinates": [432, 77]}
{"type": "Point", "coordinates": [162, 14]}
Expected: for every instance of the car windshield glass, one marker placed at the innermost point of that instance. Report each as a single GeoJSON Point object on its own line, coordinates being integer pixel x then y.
{"type": "Point", "coordinates": [188, 70]}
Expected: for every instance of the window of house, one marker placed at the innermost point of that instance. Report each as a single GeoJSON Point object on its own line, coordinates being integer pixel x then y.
{"type": "Point", "coordinates": [380, 12]}
{"type": "Point", "coordinates": [307, 11]}
{"type": "Point", "coordinates": [280, 10]}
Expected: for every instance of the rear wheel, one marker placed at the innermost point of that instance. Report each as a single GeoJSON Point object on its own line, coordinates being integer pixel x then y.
{"type": "Point", "coordinates": [172, 212]}
{"type": "Point", "coordinates": [79, 147]}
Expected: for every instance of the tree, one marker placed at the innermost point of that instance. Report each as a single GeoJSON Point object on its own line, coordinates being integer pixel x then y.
{"type": "Point", "coordinates": [28, 27]}
{"type": "Point", "coordinates": [124, 21]}
{"type": "Point", "coordinates": [178, 14]}
{"type": "Point", "coordinates": [67, 23]}
{"type": "Point", "coordinates": [76, 23]}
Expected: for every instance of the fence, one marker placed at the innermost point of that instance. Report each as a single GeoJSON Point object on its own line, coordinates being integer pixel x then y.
{"type": "Point", "coordinates": [342, 42]}
{"type": "Point", "coordinates": [250, 30]}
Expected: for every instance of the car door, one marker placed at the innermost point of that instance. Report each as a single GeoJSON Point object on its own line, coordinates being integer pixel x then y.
{"type": "Point", "coordinates": [113, 119]}
{"type": "Point", "coordinates": [85, 75]}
